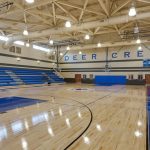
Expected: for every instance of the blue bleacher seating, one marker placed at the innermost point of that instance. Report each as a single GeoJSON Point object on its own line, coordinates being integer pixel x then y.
{"type": "Point", "coordinates": [28, 76]}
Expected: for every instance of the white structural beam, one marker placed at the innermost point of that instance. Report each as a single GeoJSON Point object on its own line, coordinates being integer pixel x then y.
{"type": "Point", "coordinates": [88, 25]}
{"type": "Point", "coordinates": [37, 16]}
{"type": "Point", "coordinates": [67, 37]}
{"type": "Point", "coordinates": [80, 8]}
{"type": "Point", "coordinates": [84, 7]}
{"type": "Point", "coordinates": [121, 6]}
{"type": "Point", "coordinates": [107, 44]}
{"type": "Point", "coordinates": [54, 13]}
{"type": "Point", "coordinates": [118, 31]}
{"type": "Point", "coordinates": [12, 21]}
{"type": "Point", "coordinates": [66, 11]}
{"type": "Point", "coordinates": [39, 3]}
{"type": "Point", "coordinates": [144, 1]}
{"type": "Point", "coordinates": [37, 12]}
{"type": "Point", "coordinates": [102, 4]}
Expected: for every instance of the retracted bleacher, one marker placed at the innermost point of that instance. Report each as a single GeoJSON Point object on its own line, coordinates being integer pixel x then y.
{"type": "Point", "coordinates": [10, 76]}
{"type": "Point", "coordinates": [5, 79]}
{"type": "Point", "coordinates": [110, 80]}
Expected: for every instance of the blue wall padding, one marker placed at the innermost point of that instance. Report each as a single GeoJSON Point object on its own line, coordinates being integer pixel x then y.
{"type": "Point", "coordinates": [146, 63]}
{"type": "Point", "coordinates": [110, 80]}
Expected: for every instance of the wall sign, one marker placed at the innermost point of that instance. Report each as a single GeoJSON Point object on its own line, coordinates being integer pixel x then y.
{"type": "Point", "coordinates": [146, 63]}
{"type": "Point", "coordinates": [128, 54]}
{"type": "Point", "coordinates": [76, 57]}
{"type": "Point", "coordinates": [84, 57]}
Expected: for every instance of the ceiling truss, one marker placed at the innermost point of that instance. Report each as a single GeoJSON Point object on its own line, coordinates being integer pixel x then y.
{"type": "Point", "coordinates": [47, 14]}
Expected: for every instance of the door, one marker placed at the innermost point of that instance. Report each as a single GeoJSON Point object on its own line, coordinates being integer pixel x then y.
{"type": "Point", "coordinates": [78, 78]}
{"type": "Point", "coordinates": [147, 78]}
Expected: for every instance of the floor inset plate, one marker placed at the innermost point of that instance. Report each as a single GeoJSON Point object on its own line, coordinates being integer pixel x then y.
{"type": "Point", "coordinates": [81, 89]}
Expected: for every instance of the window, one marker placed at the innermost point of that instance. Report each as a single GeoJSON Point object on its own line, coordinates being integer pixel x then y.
{"type": "Point", "coordinates": [12, 49]}
{"type": "Point", "coordinates": [91, 76]}
{"type": "Point", "coordinates": [52, 57]}
{"type": "Point", "coordinates": [130, 77]}
{"type": "Point", "coordinates": [18, 50]}
{"type": "Point", "coordinates": [140, 77]}
{"type": "Point", "coordinates": [84, 76]}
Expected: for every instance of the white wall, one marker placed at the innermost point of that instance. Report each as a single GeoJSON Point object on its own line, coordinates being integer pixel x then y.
{"type": "Point", "coordinates": [88, 66]}
{"type": "Point", "coordinates": [132, 65]}
{"type": "Point", "coordinates": [28, 53]}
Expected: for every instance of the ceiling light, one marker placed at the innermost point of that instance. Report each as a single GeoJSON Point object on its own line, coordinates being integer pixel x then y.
{"type": "Point", "coordinates": [68, 24]}
{"type": "Point", "coordinates": [41, 48]}
{"type": "Point", "coordinates": [4, 38]}
{"type": "Point", "coordinates": [30, 1]}
{"type": "Point", "coordinates": [19, 43]}
{"type": "Point", "coordinates": [87, 37]}
{"type": "Point", "coordinates": [38, 61]}
{"type": "Point", "coordinates": [139, 48]}
{"type": "Point", "coordinates": [18, 59]}
{"type": "Point", "coordinates": [99, 45]}
{"type": "Point", "coordinates": [80, 52]}
{"type": "Point", "coordinates": [61, 54]}
{"type": "Point", "coordinates": [27, 44]}
{"type": "Point", "coordinates": [51, 42]}
{"type": "Point", "coordinates": [136, 30]}
{"type": "Point", "coordinates": [25, 32]}
{"type": "Point", "coordinates": [132, 11]}
{"type": "Point", "coordinates": [68, 48]}
{"type": "Point", "coordinates": [138, 41]}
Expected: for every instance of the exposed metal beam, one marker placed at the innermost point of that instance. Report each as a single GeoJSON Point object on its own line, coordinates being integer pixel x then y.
{"type": "Point", "coordinates": [80, 8]}
{"type": "Point", "coordinates": [54, 13]}
{"type": "Point", "coordinates": [118, 31]}
{"type": "Point", "coordinates": [66, 11]}
{"type": "Point", "coordinates": [37, 12]}
{"type": "Point", "coordinates": [103, 7]}
{"type": "Point", "coordinates": [37, 16]}
{"type": "Point", "coordinates": [144, 1]}
{"type": "Point", "coordinates": [84, 26]}
{"type": "Point", "coordinates": [39, 3]}
{"type": "Point", "coordinates": [106, 44]}
{"type": "Point", "coordinates": [120, 7]}
{"type": "Point", "coordinates": [84, 7]}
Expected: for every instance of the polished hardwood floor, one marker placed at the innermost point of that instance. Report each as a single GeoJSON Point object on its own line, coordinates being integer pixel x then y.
{"type": "Point", "coordinates": [76, 117]}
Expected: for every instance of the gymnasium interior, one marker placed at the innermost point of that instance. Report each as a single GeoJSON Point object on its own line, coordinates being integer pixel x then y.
{"type": "Point", "coordinates": [74, 74]}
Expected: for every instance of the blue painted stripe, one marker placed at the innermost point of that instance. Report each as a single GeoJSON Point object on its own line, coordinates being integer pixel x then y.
{"type": "Point", "coordinates": [10, 103]}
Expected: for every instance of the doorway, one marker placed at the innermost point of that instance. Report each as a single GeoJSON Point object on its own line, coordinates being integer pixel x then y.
{"type": "Point", "coordinates": [78, 78]}
{"type": "Point", "coordinates": [147, 78]}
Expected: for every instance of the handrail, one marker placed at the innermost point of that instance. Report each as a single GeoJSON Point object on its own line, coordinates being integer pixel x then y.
{"type": "Point", "coordinates": [58, 73]}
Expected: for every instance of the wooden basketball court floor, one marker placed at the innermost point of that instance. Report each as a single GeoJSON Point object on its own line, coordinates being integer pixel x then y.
{"type": "Point", "coordinates": [76, 117]}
